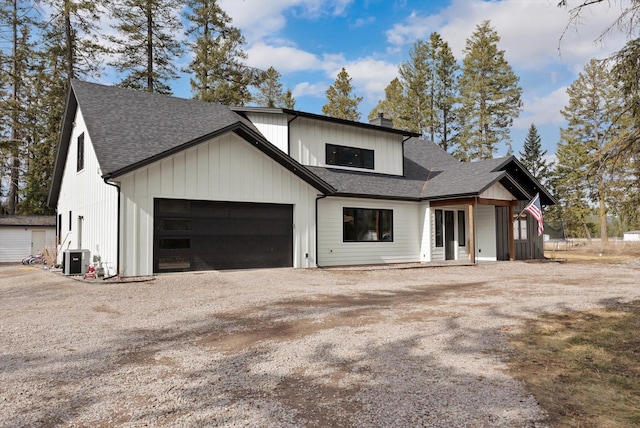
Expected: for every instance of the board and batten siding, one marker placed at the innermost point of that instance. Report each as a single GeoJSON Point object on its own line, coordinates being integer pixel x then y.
{"type": "Point", "coordinates": [309, 138]}
{"type": "Point", "coordinates": [226, 168]}
{"type": "Point", "coordinates": [332, 251]}
{"type": "Point", "coordinates": [274, 128]}
{"type": "Point", "coordinates": [485, 217]}
{"type": "Point", "coordinates": [93, 204]}
{"type": "Point", "coordinates": [16, 242]}
{"type": "Point", "coordinates": [497, 191]}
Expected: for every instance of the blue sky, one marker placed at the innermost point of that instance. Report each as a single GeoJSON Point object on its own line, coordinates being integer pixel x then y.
{"type": "Point", "coordinates": [309, 41]}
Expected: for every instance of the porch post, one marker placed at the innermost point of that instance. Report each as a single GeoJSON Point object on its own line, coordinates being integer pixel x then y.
{"type": "Point", "coordinates": [512, 246]}
{"type": "Point", "coordinates": [472, 235]}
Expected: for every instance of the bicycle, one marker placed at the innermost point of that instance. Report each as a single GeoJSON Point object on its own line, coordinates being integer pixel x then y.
{"type": "Point", "coordinates": [38, 259]}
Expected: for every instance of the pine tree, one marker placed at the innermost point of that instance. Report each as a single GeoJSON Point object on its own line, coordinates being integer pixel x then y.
{"type": "Point", "coordinates": [270, 93]}
{"type": "Point", "coordinates": [392, 106]}
{"type": "Point", "coordinates": [219, 73]}
{"type": "Point", "coordinates": [341, 102]}
{"type": "Point", "coordinates": [416, 76]}
{"type": "Point", "coordinates": [595, 120]}
{"type": "Point", "coordinates": [532, 156]}
{"type": "Point", "coordinates": [13, 104]}
{"type": "Point", "coordinates": [489, 96]}
{"type": "Point", "coordinates": [289, 100]}
{"type": "Point", "coordinates": [147, 46]}
{"type": "Point", "coordinates": [445, 84]}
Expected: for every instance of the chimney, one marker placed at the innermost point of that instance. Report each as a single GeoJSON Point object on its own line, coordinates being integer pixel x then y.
{"type": "Point", "coordinates": [382, 121]}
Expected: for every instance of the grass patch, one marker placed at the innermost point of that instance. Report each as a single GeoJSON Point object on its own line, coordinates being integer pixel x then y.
{"type": "Point", "coordinates": [583, 367]}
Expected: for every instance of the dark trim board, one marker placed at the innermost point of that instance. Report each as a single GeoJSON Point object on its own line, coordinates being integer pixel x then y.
{"type": "Point", "coordinates": [192, 235]}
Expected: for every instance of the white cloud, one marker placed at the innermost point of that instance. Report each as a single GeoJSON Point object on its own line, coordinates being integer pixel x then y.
{"type": "Point", "coordinates": [543, 110]}
{"type": "Point", "coordinates": [313, 89]}
{"type": "Point", "coordinates": [283, 58]}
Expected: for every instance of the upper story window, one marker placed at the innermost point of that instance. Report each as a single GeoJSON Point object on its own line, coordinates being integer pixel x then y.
{"type": "Point", "coordinates": [80, 152]}
{"type": "Point", "coordinates": [349, 156]}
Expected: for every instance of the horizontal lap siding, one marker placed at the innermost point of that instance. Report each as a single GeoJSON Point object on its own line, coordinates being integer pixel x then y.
{"type": "Point", "coordinates": [225, 169]}
{"type": "Point", "coordinates": [332, 251]}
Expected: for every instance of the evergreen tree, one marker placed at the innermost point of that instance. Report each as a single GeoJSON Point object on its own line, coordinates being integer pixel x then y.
{"type": "Point", "coordinates": [13, 104]}
{"type": "Point", "coordinates": [532, 156]}
{"type": "Point", "coordinates": [595, 120]}
{"type": "Point", "coordinates": [270, 91]}
{"type": "Point", "coordinates": [289, 100]}
{"type": "Point", "coordinates": [489, 96]}
{"type": "Point", "coordinates": [218, 70]}
{"type": "Point", "coordinates": [341, 102]}
{"type": "Point", "coordinates": [147, 46]}
{"type": "Point", "coordinates": [445, 84]}
{"type": "Point", "coordinates": [392, 106]}
{"type": "Point", "coordinates": [416, 76]}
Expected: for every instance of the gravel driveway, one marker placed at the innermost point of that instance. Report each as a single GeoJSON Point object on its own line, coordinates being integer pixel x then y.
{"type": "Point", "coordinates": [283, 347]}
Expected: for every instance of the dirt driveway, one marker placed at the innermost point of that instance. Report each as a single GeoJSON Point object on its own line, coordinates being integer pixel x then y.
{"type": "Point", "coordinates": [283, 347]}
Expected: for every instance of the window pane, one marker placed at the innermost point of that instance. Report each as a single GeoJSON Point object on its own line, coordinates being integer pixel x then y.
{"type": "Point", "coordinates": [349, 156]}
{"type": "Point", "coordinates": [175, 243]}
{"type": "Point", "coordinates": [80, 158]}
{"type": "Point", "coordinates": [174, 224]}
{"type": "Point", "coordinates": [367, 160]}
{"type": "Point", "coordinates": [439, 229]}
{"type": "Point", "coordinates": [349, 225]}
{"type": "Point", "coordinates": [516, 229]}
{"type": "Point", "coordinates": [332, 154]}
{"type": "Point", "coordinates": [362, 225]}
{"type": "Point", "coordinates": [174, 206]}
{"type": "Point", "coordinates": [462, 235]}
{"type": "Point", "coordinates": [523, 228]}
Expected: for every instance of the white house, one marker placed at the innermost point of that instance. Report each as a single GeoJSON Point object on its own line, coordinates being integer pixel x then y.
{"type": "Point", "coordinates": [21, 236]}
{"type": "Point", "coordinates": [153, 183]}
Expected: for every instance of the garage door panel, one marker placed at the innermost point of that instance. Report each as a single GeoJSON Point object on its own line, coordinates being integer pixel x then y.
{"type": "Point", "coordinates": [201, 235]}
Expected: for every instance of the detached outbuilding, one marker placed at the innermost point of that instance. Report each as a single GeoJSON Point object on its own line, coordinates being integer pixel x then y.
{"type": "Point", "coordinates": [632, 235]}
{"type": "Point", "coordinates": [21, 236]}
{"type": "Point", "coordinates": [153, 183]}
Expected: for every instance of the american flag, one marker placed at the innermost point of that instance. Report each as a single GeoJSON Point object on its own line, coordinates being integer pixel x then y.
{"type": "Point", "coordinates": [535, 209]}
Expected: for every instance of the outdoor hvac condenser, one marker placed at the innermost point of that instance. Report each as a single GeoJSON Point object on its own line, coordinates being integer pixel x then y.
{"type": "Point", "coordinates": [75, 262]}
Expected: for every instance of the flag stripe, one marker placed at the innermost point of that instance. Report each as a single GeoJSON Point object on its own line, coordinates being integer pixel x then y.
{"type": "Point", "coordinates": [535, 209]}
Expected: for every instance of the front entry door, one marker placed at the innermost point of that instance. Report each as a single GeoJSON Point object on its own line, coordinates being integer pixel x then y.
{"type": "Point", "coordinates": [449, 236]}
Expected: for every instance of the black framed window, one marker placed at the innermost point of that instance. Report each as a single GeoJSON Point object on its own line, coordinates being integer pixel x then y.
{"type": "Point", "coordinates": [349, 156]}
{"type": "Point", "coordinates": [462, 231]}
{"type": "Point", "coordinates": [439, 228]}
{"type": "Point", "coordinates": [366, 225]}
{"type": "Point", "coordinates": [80, 165]}
{"type": "Point", "coordinates": [70, 219]}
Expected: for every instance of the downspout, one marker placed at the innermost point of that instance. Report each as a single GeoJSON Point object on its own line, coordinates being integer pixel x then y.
{"type": "Point", "coordinates": [475, 230]}
{"type": "Point", "coordinates": [295, 116]}
{"type": "Point", "coordinates": [117, 233]}
{"type": "Point", "coordinates": [317, 199]}
{"type": "Point", "coordinates": [404, 141]}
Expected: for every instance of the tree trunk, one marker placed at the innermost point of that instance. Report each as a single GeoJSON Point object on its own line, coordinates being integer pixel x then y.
{"type": "Point", "coordinates": [12, 195]}
{"type": "Point", "coordinates": [149, 47]}
{"type": "Point", "coordinates": [68, 32]}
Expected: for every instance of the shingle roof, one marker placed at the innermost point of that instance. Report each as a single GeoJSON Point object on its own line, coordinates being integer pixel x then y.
{"type": "Point", "coordinates": [128, 126]}
{"type": "Point", "coordinates": [28, 220]}
{"type": "Point", "coordinates": [429, 173]}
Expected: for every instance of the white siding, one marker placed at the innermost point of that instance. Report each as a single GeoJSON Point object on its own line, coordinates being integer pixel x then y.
{"type": "Point", "coordinates": [309, 138]}
{"type": "Point", "coordinates": [226, 168]}
{"type": "Point", "coordinates": [426, 236]}
{"type": "Point", "coordinates": [273, 127]}
{"type": "Point", "coordinates": [332, 251]}
{"type": "Point", "coordinates": [15, 242]}
{"type": "Point", "coordinates": [497, 191]}
{"type": "Point", "coordinates": [486, 233]}
{"type": "Point", "coordinates": [85, 194]}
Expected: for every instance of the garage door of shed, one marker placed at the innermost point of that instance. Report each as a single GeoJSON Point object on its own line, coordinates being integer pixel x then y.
{"type": "Point", "coordinates": [200, 235]}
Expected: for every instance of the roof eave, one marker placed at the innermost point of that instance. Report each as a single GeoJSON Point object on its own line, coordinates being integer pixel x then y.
{"type": "Point", "coordinates": [62, 148]}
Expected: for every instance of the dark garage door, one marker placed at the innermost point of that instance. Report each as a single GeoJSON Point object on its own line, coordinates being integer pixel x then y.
{"type": "Point", "coordinates": [200, 235]}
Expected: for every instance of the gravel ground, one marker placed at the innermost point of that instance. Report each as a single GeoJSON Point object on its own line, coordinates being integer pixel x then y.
{"type": "Point", "coordinates": [283, 347]}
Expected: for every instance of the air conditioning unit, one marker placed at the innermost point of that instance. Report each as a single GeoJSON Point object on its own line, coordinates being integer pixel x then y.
{"type": "Point", "coordinates": [75, 262]}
